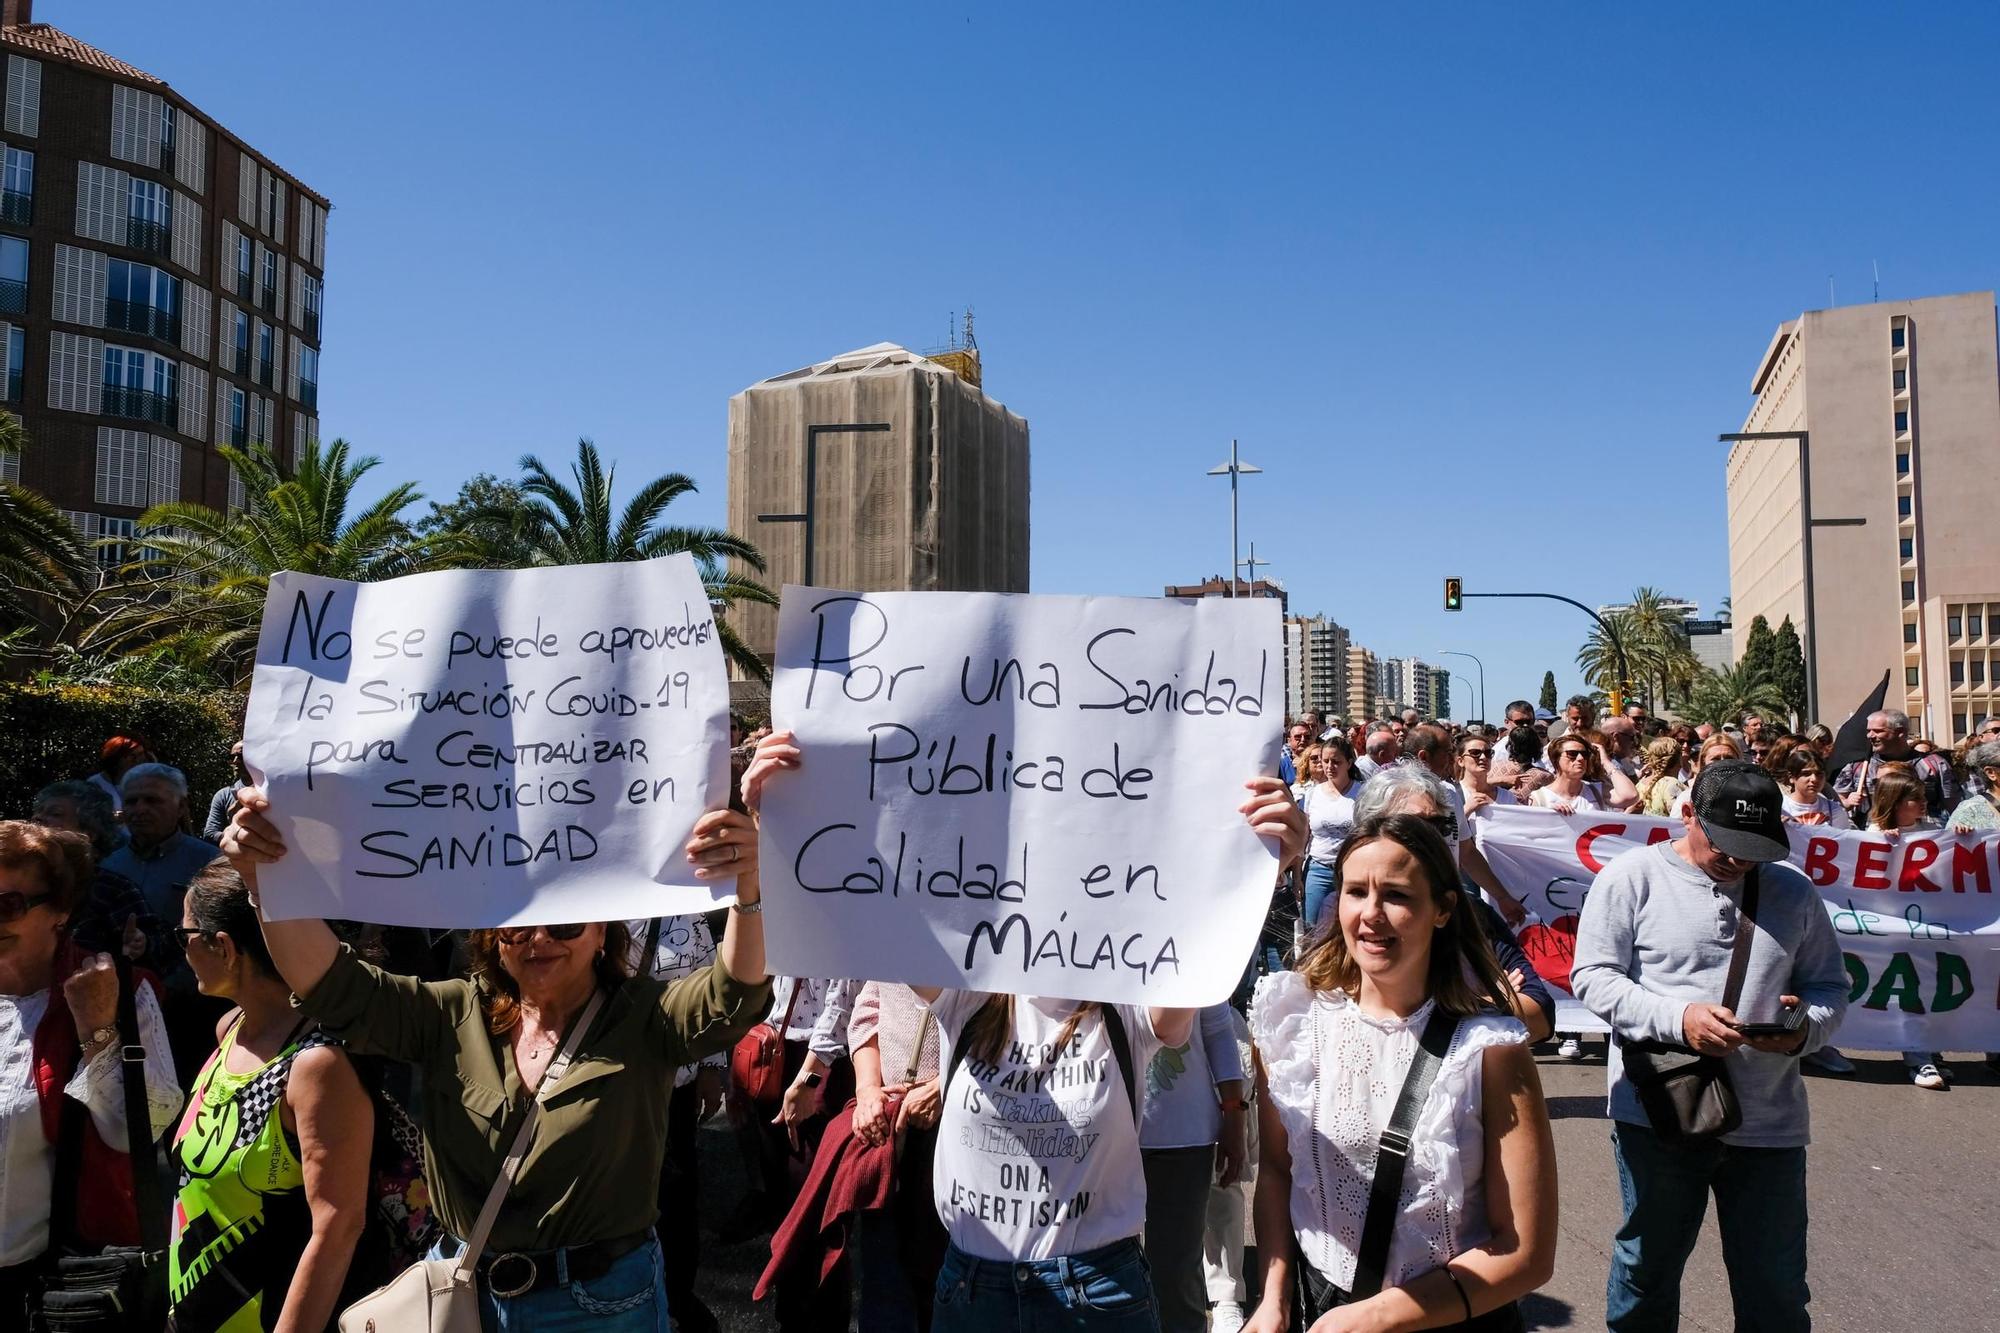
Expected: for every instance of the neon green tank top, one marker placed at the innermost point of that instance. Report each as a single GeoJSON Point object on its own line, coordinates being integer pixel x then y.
{"type": "Point", "coordinates": [240, 1219]}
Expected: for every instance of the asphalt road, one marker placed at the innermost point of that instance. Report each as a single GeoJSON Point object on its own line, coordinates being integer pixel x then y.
{"type": "Point", "coordinates": [1904, 1189]}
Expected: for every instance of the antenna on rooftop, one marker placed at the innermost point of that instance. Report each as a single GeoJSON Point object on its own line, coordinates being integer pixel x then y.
{"type": "Point", "coordinates": [971, 343]}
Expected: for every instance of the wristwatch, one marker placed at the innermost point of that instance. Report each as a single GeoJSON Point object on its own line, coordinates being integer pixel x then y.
{"type": "Point", "coordinates": [103, 1036]}
{"type": "Point", "coordinates": [813, 1080]}
{"type": "Point", "coordinates": [748, 909]}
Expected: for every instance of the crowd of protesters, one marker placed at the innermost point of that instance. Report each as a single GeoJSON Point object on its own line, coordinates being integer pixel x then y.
{"type": "Point", "coordinates": [336, 1100]}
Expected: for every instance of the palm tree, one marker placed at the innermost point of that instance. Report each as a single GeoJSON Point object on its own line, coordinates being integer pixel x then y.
{"type": "Point", "coordinates": [200, 581]}
{"type": "Point", "coordinates": [43, 562]}
{"type": "Point", "coordinates": [582, 525]}
{"type": "Point", "coordinates": [1725, 696]}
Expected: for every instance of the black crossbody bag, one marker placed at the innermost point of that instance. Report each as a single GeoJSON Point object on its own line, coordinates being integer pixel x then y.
{"type": "Point", "coordinates": [1687, 1096]}
{"type": "Point", "coordinates": [1314, 1295]}
{"type": "Point", "coordinates": [120, 1287]}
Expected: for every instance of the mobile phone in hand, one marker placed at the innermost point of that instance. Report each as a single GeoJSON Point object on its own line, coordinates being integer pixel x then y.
{"type": "Point", "coordinates": [1787, 1024]}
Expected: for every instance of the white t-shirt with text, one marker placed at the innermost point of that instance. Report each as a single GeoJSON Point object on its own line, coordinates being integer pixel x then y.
{"type": "Point", "coordinates": [1038, 1152]}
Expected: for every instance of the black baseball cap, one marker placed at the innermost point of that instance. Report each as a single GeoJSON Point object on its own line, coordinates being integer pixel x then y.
{"type": "Point", "coordinates": [1740, 810]}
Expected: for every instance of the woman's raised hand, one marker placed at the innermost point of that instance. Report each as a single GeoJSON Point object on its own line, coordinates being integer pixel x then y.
{"type": "Point", "coordinates": [723, 844]}
{"type": "Point", "coordinates": [251, 839]}
{"type": "Point", "coordinates": [775, 753]}
{"type": "Point", "coordinates": [1274, 814]}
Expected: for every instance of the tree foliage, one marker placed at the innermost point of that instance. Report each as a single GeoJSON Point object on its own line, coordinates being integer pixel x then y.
{"type": "Point", "coordinates": [1548, 691]}
{"type": "Point", "coordinates": [1788, 667]}
{"type": "Point", "coordinates": [1662, 666]}
{"type": "Point", "coordinates": [44, 563]}
{"type": "Point", "coordinates": [1759, 646]}
{"type": "Point", "coordinates": [1719, 697]}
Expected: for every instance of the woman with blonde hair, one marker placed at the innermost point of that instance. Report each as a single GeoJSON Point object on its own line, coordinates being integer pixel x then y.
{"type": "Point", "coordinates": [1659, 768]}
{"type": "Point", "coordinates": [1715, 747]}
{"type": "Point", "coordinates": [1900, 806]}
{"type": "Point", "coordinates": [1391, 1022]}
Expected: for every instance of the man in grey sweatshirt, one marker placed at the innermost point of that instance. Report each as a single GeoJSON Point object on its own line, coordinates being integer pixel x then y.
{"type": "Point", "coordinates": [1653, 951]}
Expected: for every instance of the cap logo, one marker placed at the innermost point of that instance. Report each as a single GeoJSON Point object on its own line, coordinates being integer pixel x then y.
{"type": "Point", "coordinates": [1749, 810]}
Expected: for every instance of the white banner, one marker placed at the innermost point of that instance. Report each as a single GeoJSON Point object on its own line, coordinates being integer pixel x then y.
{"type": "Point", "coordinates": [1917, 916]}
{"type": "Point", "coordinates": [489, 747]}
{"type": "Point", "coordinates": [1034, 795]}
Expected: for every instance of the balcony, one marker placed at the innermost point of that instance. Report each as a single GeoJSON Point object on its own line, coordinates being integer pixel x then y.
{"type": "Point", "coordinates": [270, 301]}
{"type": "Point", "coordinates": [267, 375]}
{"type": "Point", "coordinates": [138, 317]}
{"type": "Point", "coordinates": [310, 323]}
{"type": "Point", "coordinates": [17, 208]}
{"type": "Point", "coordinates": [242, 284]}
{"type": "Point", "coordinates": [241, 364]}
{"type": "Point", "coordinates": [239, 436]}
{"type": "Point", "coordinates": [309, 395]}
{"type": "Point", "coordinates": [152, 237]}
{"type": "Point", "coordinates": [141, 405]}
{"type": "Point", "coordinates": [13, 297]}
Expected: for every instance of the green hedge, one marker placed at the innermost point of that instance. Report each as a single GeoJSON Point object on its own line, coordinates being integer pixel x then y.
{"type": "Point", "coordinates": [49, 732]}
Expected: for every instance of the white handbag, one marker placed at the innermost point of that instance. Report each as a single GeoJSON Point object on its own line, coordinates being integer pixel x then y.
{"type": "Point", "coordinates": [442, 1295]}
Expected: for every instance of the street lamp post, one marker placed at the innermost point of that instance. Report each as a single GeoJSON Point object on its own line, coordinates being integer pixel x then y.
{"type": "Point", "coordinates": [809, 515]}
{"type": "Point", "coordinates": [1806, 525]}
{"type": "Point", "coordinates": [1233, 469]}
{"type": "Point", "coordinates": [1446, 652]}
{"type": "Point", "coordinates": [1617, 690]}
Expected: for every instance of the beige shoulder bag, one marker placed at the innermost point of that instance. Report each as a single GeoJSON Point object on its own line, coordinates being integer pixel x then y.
{"type": "Point", "coordinates": [442, 1295]}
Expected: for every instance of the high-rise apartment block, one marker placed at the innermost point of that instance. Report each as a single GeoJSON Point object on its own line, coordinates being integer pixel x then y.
{"type": "Point", "coordinates": [160, 286]}
{"type": "Point", "coordinates": [878, 470]}
{"type": "Point", "coordinates": [1411, 682]}
{"type": "Point", "coordinates": [1362, 694]}
{"type": "Point", "coordinates": [1900, 404]}
{"type": "Point", "coordinates": [1316, 652]}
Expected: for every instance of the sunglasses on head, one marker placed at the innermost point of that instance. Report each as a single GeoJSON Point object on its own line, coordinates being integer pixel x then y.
{"type": "Point", "coordinates": [522, 934]}
{"type": "Point", "coordinates": [15, 905]}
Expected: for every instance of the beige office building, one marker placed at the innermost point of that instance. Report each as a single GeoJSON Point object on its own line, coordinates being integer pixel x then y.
{"type": "Point", "coordinates": [911, 476]}
{"type": "Point", "coordinates": [1363, 699]}
{"type": "Point", "coordinates": [1901, 402]}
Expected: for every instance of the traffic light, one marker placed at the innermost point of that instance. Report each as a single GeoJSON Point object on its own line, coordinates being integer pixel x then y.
{"type": "Point", "coordinates": [1451, 595]}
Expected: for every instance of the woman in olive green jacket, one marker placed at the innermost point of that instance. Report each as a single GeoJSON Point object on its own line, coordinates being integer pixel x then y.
{"type": "Point", "coordinates": [574, 1244]}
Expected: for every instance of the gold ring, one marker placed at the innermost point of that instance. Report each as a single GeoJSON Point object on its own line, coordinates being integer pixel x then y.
{"type": "Point", "coordinates": [733, 853]}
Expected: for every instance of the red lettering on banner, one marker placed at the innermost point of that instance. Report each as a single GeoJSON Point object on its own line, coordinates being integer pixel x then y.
{"type": "Point", "coordinates": [1659, 835]}
{"type": "Point", "coordinates": [1590, 835]}
{"type": "Point", "coordinates": [1969, 858]}
{"type": "Point", "coordinates": [1922, 852]}
{"type": "Point", "coordinates": [1822, 865]}
{"type": "Point", "coordinates": [1871, 865]}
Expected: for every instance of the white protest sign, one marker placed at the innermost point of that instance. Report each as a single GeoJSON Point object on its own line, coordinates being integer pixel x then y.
{"type": "Point", "coordinates": [490, 747]}
{"type": "Point", "coordinates": [1917, 917]}
{"type": "Point", "coordinates": [1035, 795]}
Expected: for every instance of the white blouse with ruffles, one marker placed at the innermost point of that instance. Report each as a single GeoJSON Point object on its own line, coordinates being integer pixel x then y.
{"type": "Point", "coordinates": [1334, 1075]}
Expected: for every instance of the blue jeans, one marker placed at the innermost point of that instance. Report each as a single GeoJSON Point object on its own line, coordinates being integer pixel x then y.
{"type": "Point", "coordinates": [1319, 887]}
{"type": "Point", "coordinates": [1108, 1289]}
{"type": "Point", "coordinates": [1760, 1206]}
{"type": "Point", "coordinates": [629, 1297]}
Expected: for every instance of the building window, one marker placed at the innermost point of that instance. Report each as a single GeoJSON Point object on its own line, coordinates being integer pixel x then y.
{"type": "Point", "coordinates": [1909, 590]}
{"type": "Point", "coordinates": [1978, 671]}
{"type": "Point", "coordinates": [1974, 625]}
{"type": "Point", "coordinates": [1902, 465]}
{"type": "Point", "coordinates": [142, 299]}
{"type": "Point", "coordinates": [244, 251]}
{"type": "Point", "coordinates": [17, 347]}
{"type": "Point", "coordinates": [17, 187]}
{"type": "Point", "coordinates": [1902, 380]}
{"type": "Point", "coordinates": [1908, 547]}
{"type": "Point", "coordinates": [1958, 724]}
{"type": "Point", "coordinates": [168, 124]}
{"type": "Point", "coordinates": [239, 420]}
{"type": "Point", "coordinates": [265, 354]}
{"type": "Point", "coordinates": [141, 385]}
{"type": "Point", "coordinates": [1956, 625]}
{"type": "Point", "coordinates": [1896, 337]}
{"type": "Point", "coordinates": [13, 276]}
{"type": "Point", "coordinates": [309, 376]}
{"type": "Point", "coordinates": [1909, 633]}
{"type": "Point", "coordinates": [241, 341]}
{"type": "Point", "coordinates": [270, 280]}
{"type": "Point", "coordinates": [271, 204]}
{"type": "Point", "coordinates": [1910, 677]}
{"type": "Point", "coordinates": [148, 216]}
{"type": "Point", "coordinates": [312, 290]}
{"type": "Point", "coordinates": [1902, 506]}
{"type": "Point", "coordinates": [1958, 673]}
{"type": "Point", "coordinates": [1903, 422]}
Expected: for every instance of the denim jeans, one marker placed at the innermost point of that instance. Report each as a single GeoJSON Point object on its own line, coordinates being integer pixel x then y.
{"type": "Point", "coordinates": [1760, 1207]}
{"type": "Point", "coordinates": [1106, 1290]}
{"type": "Point", "coordinates": [629, 1297]}
{"type": "Point", "coordinates": [1319, 887]}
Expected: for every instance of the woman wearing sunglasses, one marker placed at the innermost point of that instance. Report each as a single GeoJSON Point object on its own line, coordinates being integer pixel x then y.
{"type": "Point", "coordinates": [1586, 779]}
{"type": "Point", "coordinates": [575, 1237]}
{"type": "Point", "coordinates": [59, 1043]}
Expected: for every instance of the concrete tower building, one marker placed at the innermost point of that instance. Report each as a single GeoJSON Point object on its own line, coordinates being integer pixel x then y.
{"type": "Point", "coordinates": [160, 286]}
{"type": "Point", "coordinates": [1316, 654]}
{"type": "Point", "coordinates": [878, 470]}
{"type": "Point", "coordinates": [1901, 404]}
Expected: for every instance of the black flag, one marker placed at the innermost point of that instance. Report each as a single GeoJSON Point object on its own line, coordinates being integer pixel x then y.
{"type": "Point", "coordinates": [1850, 744]}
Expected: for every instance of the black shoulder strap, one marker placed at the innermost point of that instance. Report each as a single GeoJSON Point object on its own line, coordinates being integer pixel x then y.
{"type": "Point", "coordinates": [1121, 1051]}
{"type": "Point", "coordinates": [1739, 955]}
{"type": "Point", "coordinates": [1385, 1195]}
{"type": "Point", "coordinates": [69, 1175]}
{"type": "Point", "coordinates": [147, 1193]}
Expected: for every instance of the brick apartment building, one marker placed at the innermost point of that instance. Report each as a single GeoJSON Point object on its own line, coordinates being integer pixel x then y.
{"type": "Point", "coordinates": [160, 285]}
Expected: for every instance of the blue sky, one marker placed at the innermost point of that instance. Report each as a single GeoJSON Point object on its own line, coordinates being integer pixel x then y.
{"type": "Point", "coordinates": [1477, 286]}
